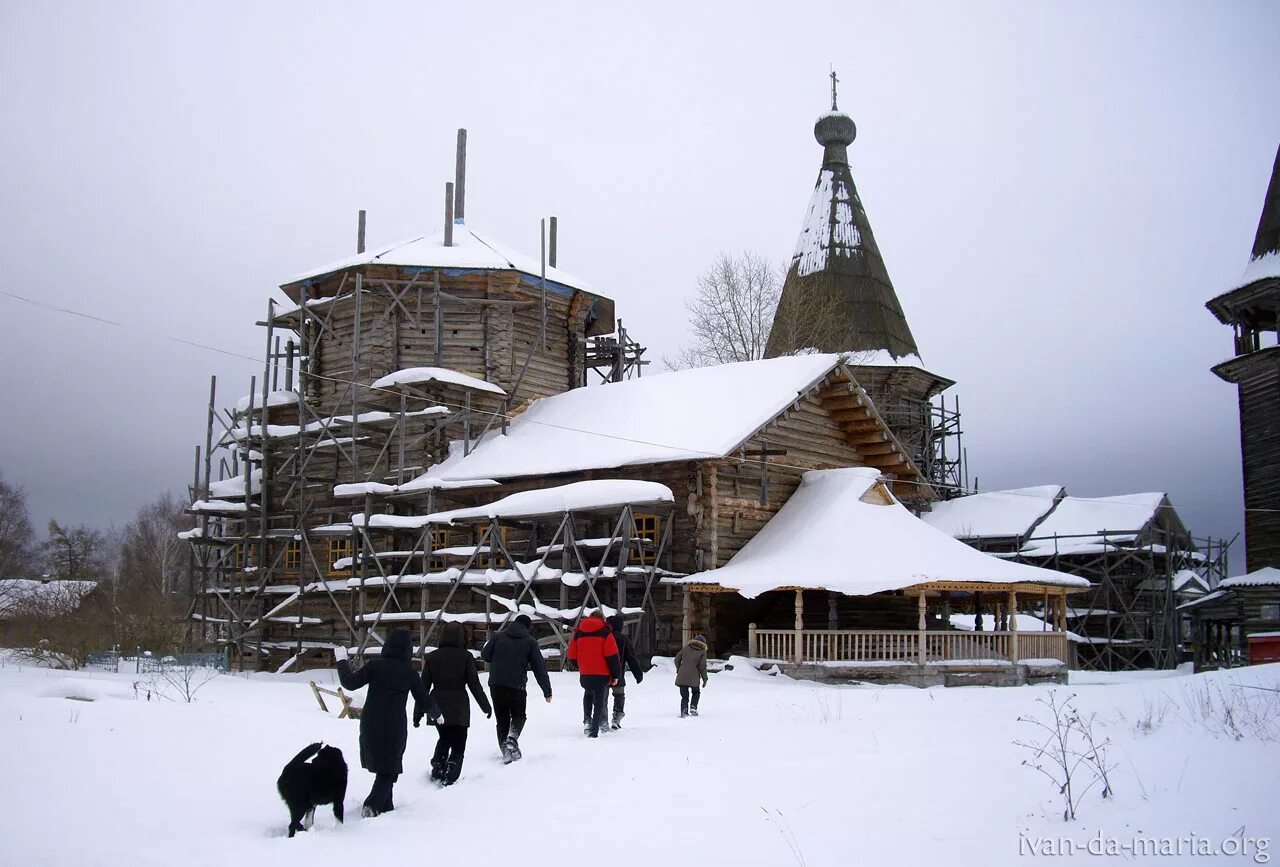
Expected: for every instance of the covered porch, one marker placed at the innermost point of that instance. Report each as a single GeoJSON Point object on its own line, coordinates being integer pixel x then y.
{"type": "Point", "coordinates": [878, 595]}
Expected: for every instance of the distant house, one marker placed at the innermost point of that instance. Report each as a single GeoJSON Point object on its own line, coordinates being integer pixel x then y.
{"type": "Point", "coordinates": [1223, 619]}
{"type": "Point", "coordinates": [38, 598]}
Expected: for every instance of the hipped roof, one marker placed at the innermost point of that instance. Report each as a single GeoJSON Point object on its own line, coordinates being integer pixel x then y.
{"type": "Point", "coordinates": [1258, 285]}
{"type": "Point", "coordinates": [470, 250]}
{"type": "Point", "coordinates": [828, 537]}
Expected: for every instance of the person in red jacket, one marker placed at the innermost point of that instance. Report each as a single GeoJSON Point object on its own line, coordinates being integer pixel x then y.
{"type": "Point", "coordinates": [595, 651]}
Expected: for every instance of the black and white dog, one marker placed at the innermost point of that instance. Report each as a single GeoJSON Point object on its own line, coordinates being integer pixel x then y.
{"type": "Point", "coordinates": [317, 775]}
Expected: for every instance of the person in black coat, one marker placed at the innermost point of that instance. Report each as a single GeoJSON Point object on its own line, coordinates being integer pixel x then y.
{"type": "Point", "coordinates": [384, 725]}
{"type": "Point", "coordinates": [627, 653]}
{"type": "Point", "coordinates": [510, 654]}
{"type": "Point", "coordinates": [449, 671]}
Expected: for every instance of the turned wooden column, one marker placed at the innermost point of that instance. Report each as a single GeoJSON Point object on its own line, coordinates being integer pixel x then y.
{"type": "Point", "coordinates": [799, 626]}
{"type": "Point", "coordinates": [1011, 617]}
{"type": "Point", "coordinates": [921, 626]}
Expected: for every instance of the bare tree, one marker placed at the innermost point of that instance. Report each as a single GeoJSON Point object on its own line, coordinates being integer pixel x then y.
{"type": "Point", "coordinates": [739, 301]}
{"type": "Point", "coordinates": [76, 553]}
{"type": "Point", "coordinates": [151, 553]}
{"type": "Point", "coordinates": [731, 311]}
{"type": "Point", "coordinates": [17, 538]}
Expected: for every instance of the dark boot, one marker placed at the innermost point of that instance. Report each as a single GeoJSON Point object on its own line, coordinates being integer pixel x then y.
{"type": "Point", "coordinates": [619, 703]}
{"type": "Point", "coordinates": [512, 746]}
{"type": "Point", "coordinates": [452, 771]}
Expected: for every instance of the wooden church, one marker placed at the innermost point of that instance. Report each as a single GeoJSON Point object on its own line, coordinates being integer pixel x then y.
{"type": "Point", "coordinates": [425, 445]}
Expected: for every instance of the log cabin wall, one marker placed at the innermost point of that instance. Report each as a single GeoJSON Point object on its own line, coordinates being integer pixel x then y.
{"type": "Point", "coordinates": [1259, 390]}
{"type": "Point", "coordinates": [489, 322]}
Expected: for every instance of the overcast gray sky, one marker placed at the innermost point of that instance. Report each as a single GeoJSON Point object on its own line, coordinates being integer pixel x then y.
{"type": "Point", "coordinates": [1057, 188]}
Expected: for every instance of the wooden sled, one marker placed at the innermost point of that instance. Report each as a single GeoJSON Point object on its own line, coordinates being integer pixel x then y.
{"type": "Point", "coordinates": [350, 709]}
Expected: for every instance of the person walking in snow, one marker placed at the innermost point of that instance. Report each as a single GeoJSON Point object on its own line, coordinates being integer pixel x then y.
{"type": "Point", "coordinates": [384, 726]}
{"type": "Point", "coordinates": [627, 654]}
{"type": "Point", "coordinates": [449, 671]}
{"type": "Point", "coordinates": [691, 674]}
{"type": "Point", "coordinates": [595, 651]}
{"type": "Point", "coordinates": [509, 655]}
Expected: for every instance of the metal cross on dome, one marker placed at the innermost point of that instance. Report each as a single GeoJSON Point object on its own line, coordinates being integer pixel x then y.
{"type": "Point", "coordinates": [834, 81]}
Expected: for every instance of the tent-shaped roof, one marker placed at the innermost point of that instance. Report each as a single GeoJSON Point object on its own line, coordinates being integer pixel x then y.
{"type": "Point", "coordinates": [1255, 291]}
{"type": "Point", "coordinates": [706, 412]}
{"type": "Point", "coordinates": [1257, 578]}
{"type": "Point", "coordinates": [838, 267]}
{"type": "Point", "coordinates": [837, 534]}
{"type": "Point", "coordinates": [996, 514]}
{"type": "Point", "coordinates": [470, 250]}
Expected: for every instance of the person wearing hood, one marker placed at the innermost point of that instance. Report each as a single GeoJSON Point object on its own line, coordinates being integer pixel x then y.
{"type": "Point", "coordinates": [384, 726]}
{"type": "Point", "coordinates": [449, 671]}
{"type": "Point", "coordinates": [509, 655]}
{"type": "Point", "coordinates": [626, 653]}
{"type": "Point", "coordinates": [595, 651]}
{"type": "Point", "coordinates": [691, 674]}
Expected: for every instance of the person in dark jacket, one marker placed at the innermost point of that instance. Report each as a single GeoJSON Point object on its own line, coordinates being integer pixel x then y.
{"type": "Point", "coordinates": [595, 651]}
{"type": "Point", "coordinates": [510, 654]}
{"type": "Point", "coordinates": [627, 653]}
{"type": "Point", "coordinates": [691, 674]}
{"type": "Point", "coordinates": [449, 672]}
{"type": "Point", "coordinates": [384, 726]}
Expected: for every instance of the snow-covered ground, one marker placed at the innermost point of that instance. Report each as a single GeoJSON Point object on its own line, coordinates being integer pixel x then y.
{"type": "Point", "coordinates": [774, 772]}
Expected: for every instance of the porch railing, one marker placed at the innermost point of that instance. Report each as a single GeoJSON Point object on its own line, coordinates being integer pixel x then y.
{"type": "Point", "coordinates": [903, 645]}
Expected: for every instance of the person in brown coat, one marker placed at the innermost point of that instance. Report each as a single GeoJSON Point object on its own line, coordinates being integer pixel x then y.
{"type": "Point", "coordinates": [691, 674]}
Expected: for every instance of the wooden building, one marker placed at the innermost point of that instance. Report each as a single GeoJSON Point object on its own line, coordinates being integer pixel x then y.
{"type": "Point", "coordinates": [1139, 557]}
{"type": "Point", "coordinates": [1251, 309]}
{"type": "Point", "coordinates": [422, 446]}
{"type": "Point", "coordinates": [1237, 608]}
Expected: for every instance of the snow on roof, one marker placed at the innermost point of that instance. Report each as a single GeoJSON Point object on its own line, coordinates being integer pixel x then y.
{"type": "Point", "coordinates": [688, 414]}
{"type": "Point", "coordinates": [1260, 268]}
{"type": "Point", "coordinates": [593, 494]}
{"type": "Point", "coordinates": [1217, 594]}
{"type": "Point", "coordinates": [429, 482]}
{"type": "Point", "coordinates": [274, 398]}
{"type": "Point", "coordinates": [469, 250]}
{"type": "Point", "coordinates": [1089, 516]}
{"type": "Point", "coordinates": [994, 514]}
{"type": "Point", "coordinates": [18, 592]}
{"type": "Point", "coordinates": [881, 547]}
{"type": "Point", "coordinates": [418, 375]}
{"type": "Point", "coordinates": [1187, 581]}
{"type": "Point", "coordinates": [233, 488]}
{"type": "Point", "coordinates": [217, 506]}
{"type": "Point", "coordinates": [361, 489]}
{"type": "Point", "coordinates": [1258, 578]}
{"type": "Point", "coordinates": [812, 247]}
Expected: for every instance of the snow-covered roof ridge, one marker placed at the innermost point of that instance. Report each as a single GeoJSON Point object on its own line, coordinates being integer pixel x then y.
{"type": "Point", "coordinates": [705, 413]}
{"type": "Point", "coordinates": [576, 496]}
{"type": "Point", "coordinates": [443, 375]}
{"type": "Point", "coordinates": [995, 514]}
{"type": "Point", "coordinates": [1257, 578]}
{"type": "Point", "coordinates": [1085, 520]}
{"type": "Point", "coordinates": [469, 250]}
{"type": "Point", "coordinates": [882, 547]}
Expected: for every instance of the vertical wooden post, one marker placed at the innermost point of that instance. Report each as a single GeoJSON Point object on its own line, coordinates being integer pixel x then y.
{"type": "Point", "coordinates": [685, 634]}
{"type": "Point", "coordinates": [922, 624]}
{"type": "Point", "coordinates": [448, 214]}
{"type": "Point", "coordinates": [799, 654]}
{"type": "Point", "coordinates": [1011, 614]}
{"type": "Point", "coordinates": [752, 653]}
{"type": "Point", "coordinates": [977, 611]}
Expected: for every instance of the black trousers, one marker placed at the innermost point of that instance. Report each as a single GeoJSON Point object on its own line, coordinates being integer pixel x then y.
{"type": "Point", "coordinates": [508, 710]}
{"type": "Point", "coordinates": [595, 698]}
{"type": "Point", "coordinates": [685, 704]}
{"type": "Point", "coordinates": [379, 800]}
{"type": "Point", "coordinates": [619, 691]}
{"type": "Point", "coordinates": [451, 749]}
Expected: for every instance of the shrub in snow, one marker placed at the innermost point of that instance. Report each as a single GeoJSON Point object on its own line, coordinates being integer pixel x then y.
{"type": "Point", "coordinates": [1065, 750]}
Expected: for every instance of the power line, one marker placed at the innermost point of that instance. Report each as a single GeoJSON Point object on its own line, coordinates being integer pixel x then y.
{"type": "Point", "coordinates": [496, 413]}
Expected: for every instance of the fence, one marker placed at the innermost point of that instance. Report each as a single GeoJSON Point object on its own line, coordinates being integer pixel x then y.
{"type": "Point", "coordinates": [148, 663]}
{"type": "Point", "coordinates": [903, 645]}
